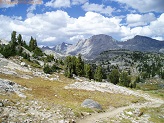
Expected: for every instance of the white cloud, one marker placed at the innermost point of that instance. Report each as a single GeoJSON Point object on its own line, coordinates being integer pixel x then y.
{"type": "Point", "coordinates": [145, 5]}
{"type": "Point", "coordinates": [49, 39]}
{"type": "Point", "coordinates": [78, 2]}
{"type": "Point", "coordinates": [98, 8]}
{"type": "Point", "coordinates": [58, 3]}
{"type": "Point", "coordinates": [57, 26]}
{"type": "Point", "coordinates": [154, 29]}
{"type": "Point", "coordinates": [158, 38]}
{"type": "Point", "coordinates": [93, 23]}
{"type": "Point", "coordinates": [76, 37]}
{"type": "Point", "coordinates": [30, 10]}
{"type": "Point", "coordinates": [40, 26]}
{"type": "Point", "coordinates": [140, 20]}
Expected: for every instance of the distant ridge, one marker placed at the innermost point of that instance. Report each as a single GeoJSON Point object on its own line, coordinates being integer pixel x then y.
{"type": "Point", "coordinates": [90, 48]}
{"type": "Point", "coordinates": [143, 43]}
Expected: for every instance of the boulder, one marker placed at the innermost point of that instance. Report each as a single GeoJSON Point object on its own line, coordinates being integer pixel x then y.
{"type": "Point", "coordinates": [89, 103]}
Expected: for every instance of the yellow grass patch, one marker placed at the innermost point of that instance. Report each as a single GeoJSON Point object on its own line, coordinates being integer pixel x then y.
{"type": "Point", "coordinates": [53, 92]}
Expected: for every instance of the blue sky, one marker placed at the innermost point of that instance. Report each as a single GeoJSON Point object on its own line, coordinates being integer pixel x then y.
{"type": "Point", "coordinates": [56, 21]}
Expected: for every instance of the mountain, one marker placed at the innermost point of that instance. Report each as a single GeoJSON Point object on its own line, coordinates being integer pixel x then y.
{"type": "Point", "coordinates": [93, 46]}
{"type": "Point", "coordinates": [45, 48]}
{"type": "Point", "coordinates": [142, 43]}
{"type": "Point", "coordinates": [61, 48]}
{"type": "Point", "coordinates": [97, 44]}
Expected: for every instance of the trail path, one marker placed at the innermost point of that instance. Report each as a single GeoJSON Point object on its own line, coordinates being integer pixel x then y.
{"type": "Point", "coordinates": [151, 102]}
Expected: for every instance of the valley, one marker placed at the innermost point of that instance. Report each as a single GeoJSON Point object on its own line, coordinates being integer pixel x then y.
{"type": "Point", "coordinates": [50, 85]}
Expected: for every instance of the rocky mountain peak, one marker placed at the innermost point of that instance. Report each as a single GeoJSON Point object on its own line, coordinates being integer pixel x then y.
{"type": "Point", "coordinates": [61, 48]}
{"type": "Point", "coordinates": [101, 37]}
{"type": "Point", "coordinates": [141, 38]}
{"type": "Point", "coordinates": [93, 46]}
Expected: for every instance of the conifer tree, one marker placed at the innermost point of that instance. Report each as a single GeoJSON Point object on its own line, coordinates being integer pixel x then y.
{"type": "Point", "coordinates": [20, 41]}
{"type": "Point", "coordinates": [114, 76]}
{"type": "Point", "coordinates": [98, 76]}
{"type": "Point", "coordinates": [125, 80]}
{"type": "Point", "coordinates": [68, 70]}
{"type": "Point", "coordinates": [13, 39]}
{"type": "Point", "coordinates": [74, 59]}
{"type": "Point", "coordinates": [79, 66]}
{"type": "Point", "coordinates": [88, 71]}
{"type": "Point", "coordinates": [32, 44]}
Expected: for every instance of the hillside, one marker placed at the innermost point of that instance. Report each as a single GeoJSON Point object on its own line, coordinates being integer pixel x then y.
{"type": "Point", "coordinates": [38, 86]}
{"type": "Point", "coordinates": [27, 94]}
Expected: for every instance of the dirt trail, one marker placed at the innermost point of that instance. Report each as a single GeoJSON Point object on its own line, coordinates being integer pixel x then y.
{"type": "Point", "coordinates": [151, 102]}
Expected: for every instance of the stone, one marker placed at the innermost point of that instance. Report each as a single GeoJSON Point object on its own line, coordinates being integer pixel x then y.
{"type": "Point", "coordinates": [1, 104]}
{"type": "Point", "coordinates": [89, 103]}
{"type": "Point", "coordinates": [23, 63]}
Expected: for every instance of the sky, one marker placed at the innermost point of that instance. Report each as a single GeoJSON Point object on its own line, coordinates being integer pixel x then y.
{"type": "Point", "coordinates": [55, 21]}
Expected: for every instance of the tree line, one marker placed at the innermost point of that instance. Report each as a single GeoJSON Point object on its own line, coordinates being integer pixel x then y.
{"type": "Point", "coordinates": [76, 66]}
{"type": "Point", "coordinates": [16, 45]}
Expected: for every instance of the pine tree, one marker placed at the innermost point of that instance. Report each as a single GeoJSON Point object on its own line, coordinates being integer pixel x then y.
{"type": "Point", "coordinates": [20, 41]}
{"type": "Point", "coordinates": [114, 76]}
{"type": "Point", "coordinates": [98, 76]}
{"type": "Point", "coordinates": [88, 71]}
{"type": "Point", "coordinates": [68, 71]}
{"type": "Point", "coordinates": [74, 59]}
{"type": "Point", "coordinates": [37, 52]}
{"type": "Point", "coordinates": [47, 69]}
{"type": "Point", "coordinates": [125, 80]}
{"type": "Point", "coordinates": [32, 44]}
{"type": "Point", "coordinates": [13, 39]}
{"type": "Point", "coordinates": [79, 66]}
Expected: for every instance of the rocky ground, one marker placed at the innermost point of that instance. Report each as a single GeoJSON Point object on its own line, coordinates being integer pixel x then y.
{"type": "Point", "coordinates": [17, 104]}
{"type": "Point", "coordinates": [119, 115]}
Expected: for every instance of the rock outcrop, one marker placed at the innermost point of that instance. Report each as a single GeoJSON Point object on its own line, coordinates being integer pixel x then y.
{"type": "Point", "coordinates": [89, 103]}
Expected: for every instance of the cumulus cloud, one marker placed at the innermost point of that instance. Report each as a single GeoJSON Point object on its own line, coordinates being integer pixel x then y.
{"type": "Point", "coordinates": [145, 5]}
{"type": "Point", "coordinates": [98, 8]}
{"type": "Point", "coordinates": [30, 10]}
{"type": "Point", "coordinates": [57, 26]}
{"type": "Point", "coordinates": [76, 37]}
{"type": "Point", "coordinates": [58, 3]}
{"type": "Point", "coordinates": [78, 2]}
{"type": "Point", "coordinates": [140, 20]}
{"type": "Point", "coordinates": [158, 38]}
{"type": "Point", "coordinates": [93, 23]}
{"type": "Point", "coordinates": [44, 27]}
{"type": "Point", "coordinates": [49, 39]}
{"type": "Point", "coordinates": [154, 29]}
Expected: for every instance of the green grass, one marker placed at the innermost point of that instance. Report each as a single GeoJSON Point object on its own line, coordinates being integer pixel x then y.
{"type": "Point", "coordinates": [157, 93]}
{"type": "Point", "coordinates": [153, 86]}
{"type": "Point", "coordinates": [31, 63]}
